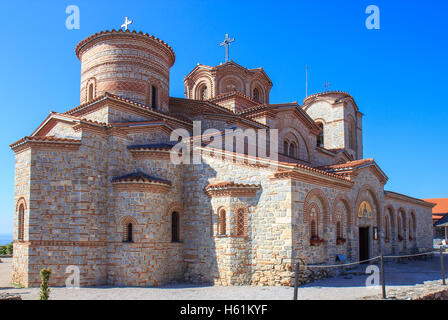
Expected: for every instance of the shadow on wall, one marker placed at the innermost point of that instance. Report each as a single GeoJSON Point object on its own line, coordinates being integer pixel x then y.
{"type": "Point", "coordinates": [217, 229]}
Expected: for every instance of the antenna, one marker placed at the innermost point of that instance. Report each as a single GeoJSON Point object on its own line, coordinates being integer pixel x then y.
{"type": "Point", "coordinates": [306, 81]}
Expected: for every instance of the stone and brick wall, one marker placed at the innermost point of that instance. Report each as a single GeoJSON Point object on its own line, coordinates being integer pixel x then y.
{"type": "Point", "coordinates": [127, 64]}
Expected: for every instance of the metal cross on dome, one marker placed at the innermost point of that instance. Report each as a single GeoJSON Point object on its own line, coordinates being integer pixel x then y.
{"type": "Point", "coordinates": [226, 43]}
{"type": "Point", "coordinates": [126, 23]}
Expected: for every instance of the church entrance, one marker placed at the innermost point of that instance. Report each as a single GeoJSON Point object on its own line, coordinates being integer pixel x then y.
{"type": "Point", "coordinates": [363, 243]}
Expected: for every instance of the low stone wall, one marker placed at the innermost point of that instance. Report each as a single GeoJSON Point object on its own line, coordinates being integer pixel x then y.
{"type": "Point", "coordinates": [439, 295]}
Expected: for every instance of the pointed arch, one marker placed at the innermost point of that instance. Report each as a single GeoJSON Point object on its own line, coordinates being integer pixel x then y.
{"type": "Point", "coordinates": [174, 216]}
{"type": "Point", "coordinates": [91, 89]}
{"type": "Point", "coordinates": [412, 226]}
{"type": "Point", "coordinates": [127, 226]}
{"type": "Point", "coordinates": [291, 135]}
{"type": "Point", "coordinates": [389, 223]}
{"type": "Point", "coordinates": [20, 210]}
{"type": "Point", "coordinates": [348, 207]}
{"type": "Point", "coordinates": [361, 197]}
{"type": "Point", "coordinates": [318, 193]}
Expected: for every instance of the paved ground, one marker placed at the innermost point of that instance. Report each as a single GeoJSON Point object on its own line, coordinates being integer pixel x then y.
{"type": "Point", "coordinates": [5, 272]}
{"type": "Point", "coordinates": [347, 286]}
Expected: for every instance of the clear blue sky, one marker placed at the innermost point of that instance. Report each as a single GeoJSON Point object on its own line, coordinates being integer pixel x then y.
{"type": "Point", "coordinates": [397, 74]}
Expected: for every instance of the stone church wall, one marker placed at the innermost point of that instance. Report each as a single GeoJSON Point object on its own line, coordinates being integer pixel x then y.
{"type": "Point", "coordinates": [263, 257]}
{"type": "Point", "coordinates": [66, 212]}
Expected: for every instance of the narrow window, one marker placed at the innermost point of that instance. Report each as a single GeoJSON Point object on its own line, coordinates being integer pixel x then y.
{"type": "Point", "coordinates": [338, 230]}
{"type": "Point", "coordinates": [256, 94]}
{"type": "Point", "coordinates": [320, 137]}
{"type": "Point", "coordinates": [351, 135]}
{"type": "Point", "coordinates": [285, 147]}
{"type": "Point", "coordinates": [386, 228]}
{"type": "Point", "coordinates": [154, 97]}
{"type": "Point", "coordinates": [240, 223]}
{"type": "Point", "coordinates": [128, 232]}
{"type": "Point", "coordinates": [21, 223]}
{"type": "Point", "coordinates": [91, 95]}
{"type": "Point", "coordinates": [292, 150]}
{"type": "Point", "coordinates": [313, 230]}
{"type": "Point", "coordinates": [400, 234]}
{"type": "Point", "coordinates": [203, 93]}
{"type": "Point", "coordinates": [222, 222]}
{"type": "Point", "coordinates": [175, 227]}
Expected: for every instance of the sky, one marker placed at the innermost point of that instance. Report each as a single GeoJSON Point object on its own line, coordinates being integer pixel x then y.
{"type": "Point", "coordinates": [397, 74]}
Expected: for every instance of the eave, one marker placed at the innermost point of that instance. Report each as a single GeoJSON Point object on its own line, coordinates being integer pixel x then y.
{"type": "Point", "coordinates": [405, 198]}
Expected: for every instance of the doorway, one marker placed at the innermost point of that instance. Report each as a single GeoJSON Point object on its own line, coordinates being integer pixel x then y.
{"type": "Point", "coordinates": [363, 243]}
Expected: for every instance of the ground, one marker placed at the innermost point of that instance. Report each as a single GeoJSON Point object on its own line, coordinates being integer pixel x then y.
{"type": "Point", "coordinates": [347, 286]}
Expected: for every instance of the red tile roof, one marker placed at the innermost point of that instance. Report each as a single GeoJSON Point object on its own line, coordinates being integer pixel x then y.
{"type": "Point", "coordinates": [348, 165]}
{"type": "Point", "coordinates": [140, 177]}
{"type": "Point", "coordinates": [232, 94]}
{"type": "Point", "coordinates": [127, 32]}
{"type": "Point", "coordinates": [441, 205]}
{"type": "Point", "coordinates": [230, 184]}
{"type": "Point", "coordinates": [44, 139]}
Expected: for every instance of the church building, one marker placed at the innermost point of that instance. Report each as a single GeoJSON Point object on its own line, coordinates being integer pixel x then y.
{"type": "Point", "coordinates": [96, 187]}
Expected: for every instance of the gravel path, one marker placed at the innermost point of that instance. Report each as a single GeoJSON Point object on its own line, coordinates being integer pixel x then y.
{"type": "Point", "coordinates": [347, 286]}
{"type": "Point", "coordinates": [5, 272]}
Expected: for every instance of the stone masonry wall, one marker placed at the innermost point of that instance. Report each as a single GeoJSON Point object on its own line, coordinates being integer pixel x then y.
{"type": "Point", "coordinates": [264, 255]}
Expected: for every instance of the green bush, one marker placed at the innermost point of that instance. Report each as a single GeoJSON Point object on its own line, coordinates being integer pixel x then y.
{"type": "Point", "coordinates": [44, 290]}
{"type": "Point", "coordinates": [6, 250]}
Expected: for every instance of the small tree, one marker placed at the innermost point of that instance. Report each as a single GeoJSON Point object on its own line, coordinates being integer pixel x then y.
{"type": "Point", "coordinates": [44, 290]}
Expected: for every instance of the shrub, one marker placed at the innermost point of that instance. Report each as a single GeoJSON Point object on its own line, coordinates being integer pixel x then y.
{"type": "Point", "coordinates": [44, 290]}
{"type": "Point", "coordinates": [9, 248]}
{"type": "Point", "coordinates": [2, 250]}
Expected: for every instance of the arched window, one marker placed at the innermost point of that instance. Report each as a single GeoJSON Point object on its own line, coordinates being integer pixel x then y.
{"type": "Point", "coordinates": [386, 228]}
{"type": "Point", "coordinates": [320, 137]}
{"type": "Point", "coordinates": [128, 233]}
{"type": "Point", "coordinates": [412, 226]}
{"type": "Point", "coordinates": [203, 93]}
{"type": "Point", "coordinates": [222, 222]}
{"type": "Point", "coordinates": [285, 147]}
{"type": "Point", "coordinates": [21, 223]}
{"type": "Point", "coordinates": [352, 137]}
{"type": "Point", "coordinates": [339, 234]}
{"type": "Point", "coordinates": [293, 150]}
{"type": "Point", "coordinates": [154, 97]}
{"type": "Point", "coordinates": [256, 94]}
{"type": "Point", "coordinates": [91, 93]}
{"type": "Point", "coordinates": [175, 227]}
{"type": "Point", "coordinates": [240, 217]}
{"type": "Point", "coordinates": [351, 133]}
{"type": "Point", "coordinates": [313, 229]}
{"type": "Point", "coordinates": [399, 227]}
